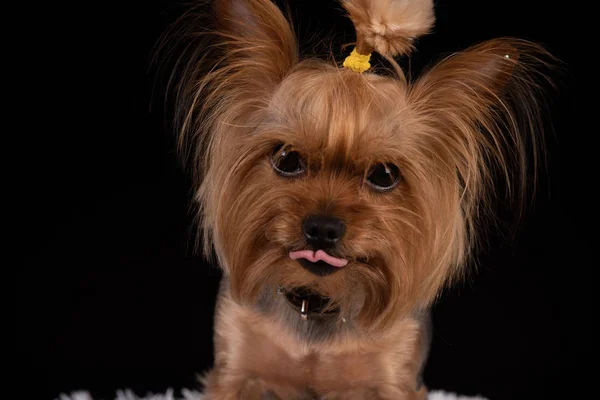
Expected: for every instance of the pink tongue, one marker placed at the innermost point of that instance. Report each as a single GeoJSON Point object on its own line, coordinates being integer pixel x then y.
{"type": "Point", "coordinates": [319, 255]}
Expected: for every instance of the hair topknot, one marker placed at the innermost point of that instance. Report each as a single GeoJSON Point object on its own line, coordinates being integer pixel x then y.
{"type": "Point", "coordinates": [389, 27]}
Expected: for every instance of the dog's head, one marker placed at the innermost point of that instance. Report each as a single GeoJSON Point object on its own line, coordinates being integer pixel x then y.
{"type": "Point", "coordinates": [366, 189]}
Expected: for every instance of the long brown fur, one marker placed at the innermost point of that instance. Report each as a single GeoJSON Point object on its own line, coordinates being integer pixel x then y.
{"type": "Point", "coordinates": [465, 124]}
{"type": "Point", "coordinates": [389, 26]}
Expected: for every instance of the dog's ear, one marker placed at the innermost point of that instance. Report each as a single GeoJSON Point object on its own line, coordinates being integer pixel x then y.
{"type": "Point", "coordinates": [257, 41]}
{"type": "Point", "coordinates": [481, 110]}
{"type": "Point", "coordinates": [478, 122]}
{"type": "Point", "coordinates": [232, 54]}
{"type": "Point", "coordinates": [472, 80]}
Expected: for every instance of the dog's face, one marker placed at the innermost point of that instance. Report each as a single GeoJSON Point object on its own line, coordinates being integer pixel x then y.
{"type": "Point", "coordinates": [340, 165]}
{"type": "Point", "coordinates": [363, 188]}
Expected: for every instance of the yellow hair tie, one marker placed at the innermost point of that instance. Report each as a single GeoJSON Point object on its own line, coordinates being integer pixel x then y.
{"type": "Point", "coordinates": [357, 62]}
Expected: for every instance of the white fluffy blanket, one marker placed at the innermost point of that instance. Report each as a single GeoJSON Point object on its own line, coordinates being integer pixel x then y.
{"type": "Point", "coordinates": [192, 395]}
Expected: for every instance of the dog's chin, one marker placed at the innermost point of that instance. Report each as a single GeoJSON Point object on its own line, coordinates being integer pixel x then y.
{"type": "Point", "coordinates": [318, 303]}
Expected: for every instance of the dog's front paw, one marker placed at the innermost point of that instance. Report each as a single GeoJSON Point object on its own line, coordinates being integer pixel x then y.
{"type": "Point", "coordinates": [355, 394]}
{"type": "Point", "coordinates": [219, 386]}
{"type": "Point", "coordinates": [270, 395]}
{"type": "Point", "coordinates": [378, 394]}
{"type": "Point", "coordinates": [255, 389]}
{"type": "Point", "coordinates": [258, 390]}
{"type": "Point", "coordinates": [251, 389]}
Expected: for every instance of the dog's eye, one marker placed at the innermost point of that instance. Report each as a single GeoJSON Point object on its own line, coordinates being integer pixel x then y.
{"type": "Point", "coordinates": [287, 162]}
{"type": "Point", "coordinates": [383, 177]}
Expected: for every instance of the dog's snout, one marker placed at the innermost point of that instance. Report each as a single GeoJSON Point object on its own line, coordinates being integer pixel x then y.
{"type": "Point", "coordinates": [323, 232]}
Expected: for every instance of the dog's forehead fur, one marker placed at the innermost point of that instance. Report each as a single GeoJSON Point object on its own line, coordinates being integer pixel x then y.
{"type": "Point", "coordinates": [339, 114]}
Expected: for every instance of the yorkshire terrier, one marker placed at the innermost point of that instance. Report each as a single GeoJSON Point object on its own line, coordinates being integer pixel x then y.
{"type": "Point", "coordinates": [339, 201]}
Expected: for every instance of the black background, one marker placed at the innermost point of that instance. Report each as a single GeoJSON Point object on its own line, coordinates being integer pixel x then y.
{"type": "Point", "coordinates": [109, 292]}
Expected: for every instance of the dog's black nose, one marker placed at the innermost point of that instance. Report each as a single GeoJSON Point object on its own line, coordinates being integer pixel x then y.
{"type": "Point", "coordinates": [323, 232]}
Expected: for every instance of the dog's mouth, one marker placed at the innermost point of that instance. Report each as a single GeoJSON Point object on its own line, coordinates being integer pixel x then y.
{"type": "Point", "coordinates": [316, 256]}
{"type": "Point", "coordinates": [309, 304]}
{"type": "Point", "coordinates": [318, 262]}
